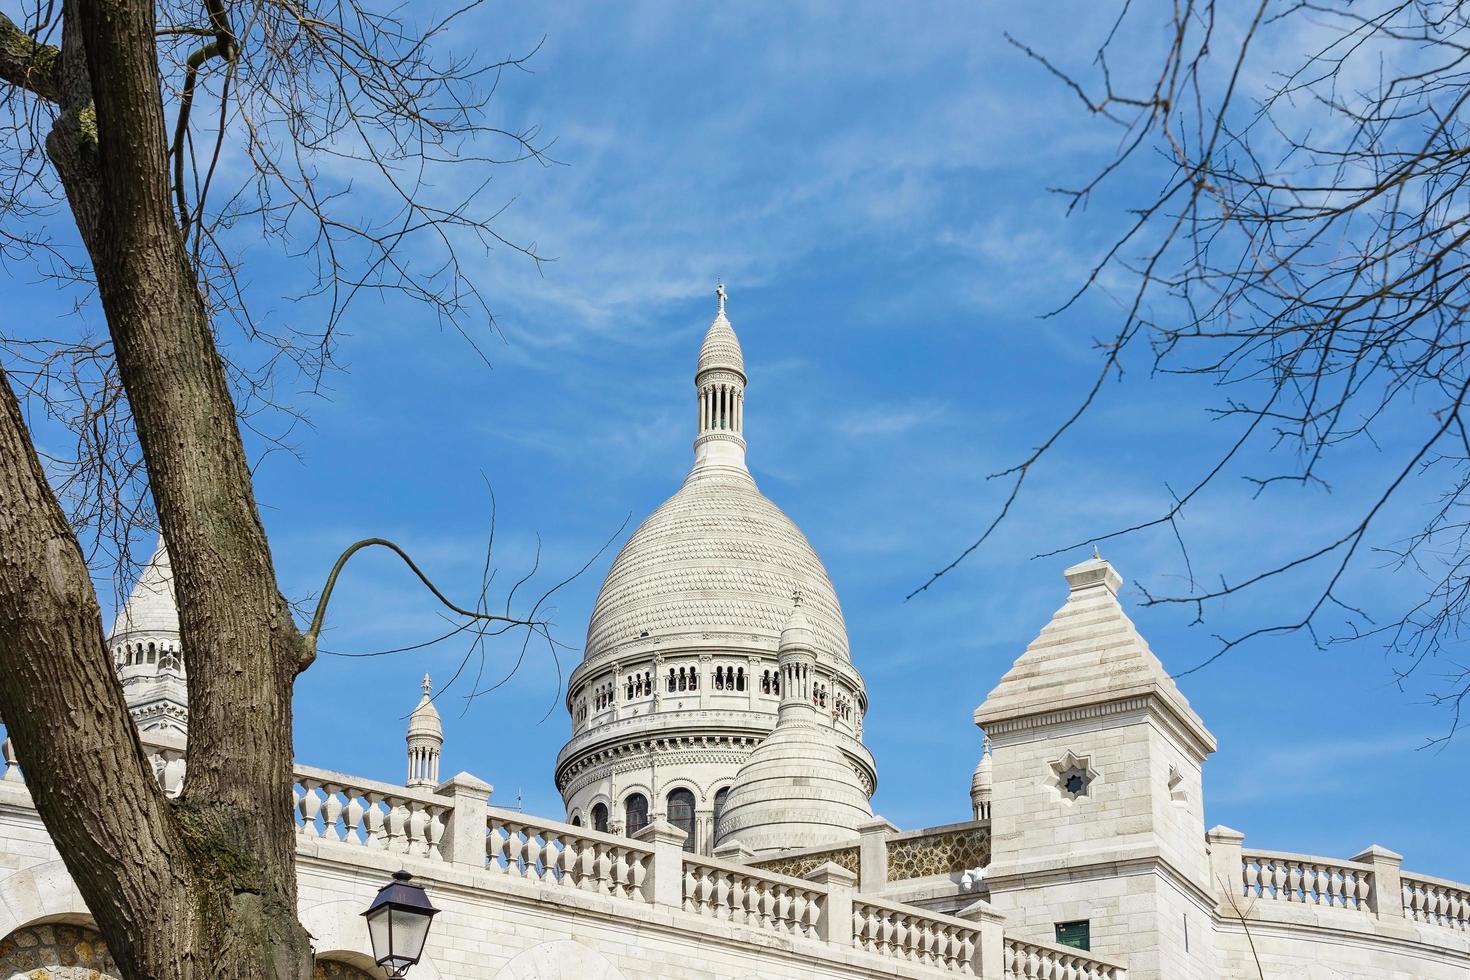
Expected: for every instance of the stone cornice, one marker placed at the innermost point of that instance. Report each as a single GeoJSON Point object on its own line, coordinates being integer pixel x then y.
{"type": "Point", "coordinates": [1199, 741]}
{"type": "Point", "coordinates": [1132, 861]}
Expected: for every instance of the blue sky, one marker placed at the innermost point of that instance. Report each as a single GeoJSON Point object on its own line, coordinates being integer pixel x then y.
{"type": "Point", "coordinates": [870, 181]}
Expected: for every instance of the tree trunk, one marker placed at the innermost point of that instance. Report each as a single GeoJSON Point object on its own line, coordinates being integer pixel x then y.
{"type": "Point", "coordinates": [205, 885]}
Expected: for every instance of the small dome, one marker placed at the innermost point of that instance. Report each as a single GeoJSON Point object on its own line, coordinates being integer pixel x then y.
{"type": "Point", "coordinates": [796, 790]}
{"type": "Point", "coordinates": [982, 780]}
{"type": "Point", "coordinates": [150, 607]}
{"type": "Point", "coordinates": [425, 717]}
{"type": "Point", "coordinates": [798, 631]}
{"type": "Point", "coordinates": [721, 348]}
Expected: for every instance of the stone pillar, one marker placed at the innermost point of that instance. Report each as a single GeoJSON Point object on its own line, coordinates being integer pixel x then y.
{"type": "Point", "coordinates": [666, 872]}
{"type": "Point", "coordinates": [464, 835]}
{"type": "Point", "coordinates": [735, 852]}
{"type": "Point", "coordinates": [835, 925]}
{"type": "Point", "coordinates": [1226, 883]}
{"type": "Point", "coordinates": [873, 854]}
{"type": "Point", "coordinates": [1387, 893]}
{"type": "Point", "coordinates": [989, 961]}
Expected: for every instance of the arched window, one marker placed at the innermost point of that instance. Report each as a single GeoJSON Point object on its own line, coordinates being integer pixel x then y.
{"type": "Point", "coordinates": [766, 682]}
{"type": "Point", "coordinates": [576, 820]}
{"type": "Point", "coordinates": [719, 678]}
{"type": "Point", "coordinates": [599, 817]}
{"type": "Point", "coordinates": [721, 795]}
{"type": "Point", "coordinates": [671, 680]}
{"type": "Point", "coordinates": [681, 815]}
{"type": "Point", "coordinates": [693, 678]}
{"type": "Point", "coordinates": [152, 654]}
{"type": "Point", "coordinates": [683, 679]}
{"type": "Point", "coordinates": [635, 811]}
{"type": "Point", "coordinates": [740, 679]}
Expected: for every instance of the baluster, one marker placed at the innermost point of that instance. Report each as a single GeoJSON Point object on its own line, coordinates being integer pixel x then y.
{"type": "Point", "coordinates": [813, 912]}
{"type": "Point", "coordinates": [706, 902]}
{"type": "Point", "coordinates": [397, 826]}
{"type": "Point", "coordinates": [436, 833]}
{"type": "Point", "coordinates": [12, 764]}
{"type": "Point", "coordinates": [622, 876]}
{"type": "Point", "coordinates": [514, 845]}
{"type": "Point", "coordinates": [331, 810]}
{"type": "Point", "coordinates": [532, 854]}
{"type": "Point", "coordinates": [311, 805]}
{"type": "Point", "coordinates": [377, 837]}
{"type": "Point", "coordinates": [638, 883]}
{"type": "Point", "coordinates": [352, 817]}
{"type": "Point", "coordinates": [903, 940]}
{"type": "Point", "coordinates": [794, 906]}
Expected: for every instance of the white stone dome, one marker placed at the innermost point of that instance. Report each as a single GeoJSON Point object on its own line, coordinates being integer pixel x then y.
{"type": "Point", "coordinates": [150, 609]}
{"type": "Point", "coordinates": [797, 789]}
{"type": "Point", "coordinates": [721, 348]}
{"type": "Point", "coordinates": [717, 556]}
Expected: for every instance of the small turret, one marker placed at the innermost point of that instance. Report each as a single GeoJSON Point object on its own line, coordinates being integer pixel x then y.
{"type": "Point", "coordinates": [980, 784]}
{"type": "Point", "coordinates": [796, 789]}
{"type": "Point", "coordinates": [146, 651]}
{"type": "Point", "coordinates": [719, 379]}
{"type": "Point", "coordinates": [425, 741]}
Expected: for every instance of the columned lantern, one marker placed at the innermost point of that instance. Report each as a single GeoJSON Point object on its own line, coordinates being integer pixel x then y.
{"type": "Point", "coordinates": [398, 924]}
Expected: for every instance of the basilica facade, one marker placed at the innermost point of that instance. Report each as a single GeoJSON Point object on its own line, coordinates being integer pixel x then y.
{"type": "Point", "coordinates": [718, 821]}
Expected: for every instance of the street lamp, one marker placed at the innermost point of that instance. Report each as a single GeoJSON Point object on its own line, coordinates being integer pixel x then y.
{"type": "Point", "coordinates": [398, 924]}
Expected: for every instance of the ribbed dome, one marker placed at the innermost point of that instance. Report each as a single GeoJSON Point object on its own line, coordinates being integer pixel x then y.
{"type": "Point", "coordinates": [721, 348]}
{"type": "Point", "coordinates": [150, 607]}
{"type": "Point", "coordinates": [797, 789]}
{"type": "Point", "coordinates": [716, 556]}
{"type": "Point", "coordinates": [983, 778]}
{"type": "Point", "coordinates": [425, 718]}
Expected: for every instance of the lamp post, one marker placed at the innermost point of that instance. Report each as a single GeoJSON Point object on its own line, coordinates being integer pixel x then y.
{"type": "Point", "coordinates": [398, 924]}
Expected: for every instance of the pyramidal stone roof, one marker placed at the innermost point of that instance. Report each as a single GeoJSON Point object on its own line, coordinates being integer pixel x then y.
{"type": "Point", "coordinates": [150, 607]}
{"type": "Point", "coordinates": [1089, 653]}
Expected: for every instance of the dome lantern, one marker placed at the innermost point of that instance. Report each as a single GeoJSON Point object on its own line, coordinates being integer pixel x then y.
{"type": "Point", "coordinates": [719, 380]}
{"type": "Point", "coordinates": [425, 741]}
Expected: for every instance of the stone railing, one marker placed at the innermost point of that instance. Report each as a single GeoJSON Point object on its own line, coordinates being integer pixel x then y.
{"type": "Point", "coordinates": [910, 934]}
{"type": "Point", "coordinates": [1308, 880]}
{"type": "Point", "coordinates": [750, 896]}
{"type": "Point", "coordinates": [1436, 901]}
{"type": "Point", "coordinates": [951, 849]}
{"type": "Point", "coordinates": [560, 855]}
{"type": "Point", "coordinates": [1371, 884]}
{"type": "Point", "coordinates": [1027, 959]}
{"type": "Point", "coordinates": [799, 863]}
{"type": "Point", "coordinates": [335, 807]}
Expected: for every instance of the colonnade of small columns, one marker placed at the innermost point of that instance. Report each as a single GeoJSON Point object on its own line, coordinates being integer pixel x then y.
{"type": "Point", "coordinates": [722, 408]}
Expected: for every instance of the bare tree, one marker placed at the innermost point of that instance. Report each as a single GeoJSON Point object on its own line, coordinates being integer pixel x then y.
{"type": "Point", "coordinates": [169, 136]}
{"type": "Point", "coordinates": [1302, 247]}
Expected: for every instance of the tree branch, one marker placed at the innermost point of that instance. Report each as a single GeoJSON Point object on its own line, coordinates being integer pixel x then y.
{"type": "Point", "coordinates": [29, 64]}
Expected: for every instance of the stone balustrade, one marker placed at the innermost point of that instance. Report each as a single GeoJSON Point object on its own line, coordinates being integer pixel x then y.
{"type": "Point", "coordinates": [561, 855]}
{"type": "Point", "coordinates": [910, 934]}
{"type": "Point", "coordinates": [752, 897]}
{"type": "Point", "coordinates": [1308, 880]}
{"type": "Point", "coordinates": [1027, 959]}
{"type": "Point", "coordinates": [824, 910]}
{"type": "Point", "coordinates": [1436, 901]}
{"type": "Point", "coordinates": [335, 807]}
